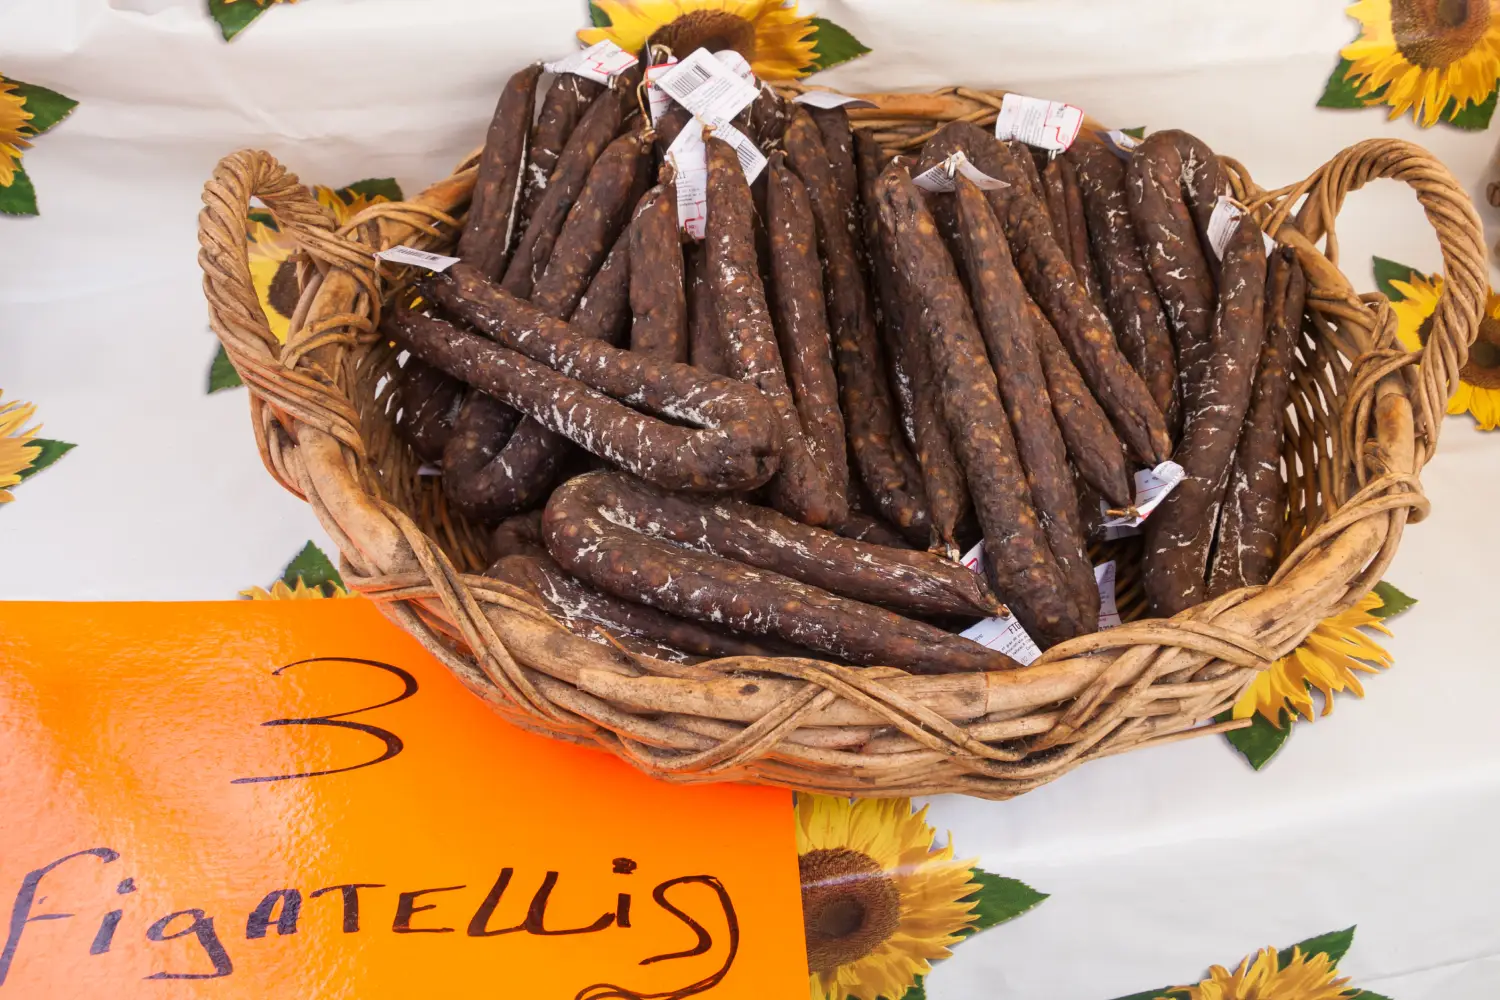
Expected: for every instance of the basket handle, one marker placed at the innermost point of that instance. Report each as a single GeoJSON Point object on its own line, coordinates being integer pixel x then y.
{"type": "Point", "coordinates": [1460, 237]}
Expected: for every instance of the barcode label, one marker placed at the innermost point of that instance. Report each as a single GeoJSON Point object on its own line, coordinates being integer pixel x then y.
{"type": "Point", "coordinates": [1002, 632]}
{"type": "Point", "coordinates": [1050, 125]}
{"type": "Point", "coordinates": [1151, 488]}
{"type": "Point", "coordinates": [1109, 611]}
{"type": "Point", "coordinates": [656, 98]}
{"type": "Point", "coordinates": [600, 62]}
{"type": "Point", "coordinates": [1223, 224]}
{"type": "Point", "coordinates": [402, 254]}
{"type": "Point", "coordinates": [940, 177]}
{"type": "Point", "coordinates": [1122, 144]}
{"type": "Point", "coordinates": [708, 88]}
{"type": "Point", "coordinates": [831, 99]}
{"type": "Point", "coordinates": [689, 158]}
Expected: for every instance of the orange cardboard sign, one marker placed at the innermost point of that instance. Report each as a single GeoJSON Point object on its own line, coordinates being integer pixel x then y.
{"type": "Point", "coordinates": [256, 799]}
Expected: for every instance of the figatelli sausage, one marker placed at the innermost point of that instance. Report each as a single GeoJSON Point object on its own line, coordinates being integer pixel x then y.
{"type": "Point", "coordinates": [594, 132]}
{"type": "Point", "coordinates": [1078, 234]}
{"type": "Point", "coordinates": [901, 319]}
{"type": "Point", "coordinates": [1254, 512]}
{"type": "Point", "coordinates": [1131, 300]}
{"type": "Point", "coordinates": [802, 487]}
{"type": "Point", "coordinates": [1179, 532]}
{"type": "Point", "coordinates": [475, 477]}
{"type": "Point", "coordinates": [658, 298]}
{"type": "Point", "coordinates": [1056, 205]}
{"type": "Point", "coordinates": [1022, 567]}
{"type": "Point", "coordinates": [730, 439]}
{"type": "Point", "coordinates": [593, 224]}
{"type": "Point", "coordinates": [579, 604]}
{"type": "Point", "coordinates": [1021, 154]}
{"type": "Point", "coordinates": [604, 311]}
{"type": "Point", "coordinates": [838, 144]}
{"type": "Point", "coordinates": [999, 304]}
{"type": "Point", "coordinates": [1166, 189]}
{"type": "Point", "coordinates": [564, 103]}
{"type": "Point", "coordinates": [885, 465]}
{"type": "Point", "coordinates": [1054, 285]}
{"type": "Point", "coordinates": [617, 559]}
{"type": "Point", "coordinates": [485, 238]}
{"type": "Point", "coordinates": [859, 527]}
{"type": "Point", "coordinates": [801, 323]}
{"type": "Point", "coordinates": [901, 579]}
{"type": "Point", "coordinates": [428, 402]}
{"type": "Point", "coordinates": [518, 535]}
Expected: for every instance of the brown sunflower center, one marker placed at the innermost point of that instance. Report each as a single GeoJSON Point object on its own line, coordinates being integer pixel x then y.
{"type": "Point", "coordinates": [1437, 33]}
{"type": "Point", "coordinates": [1483, 367]}
{"type": "Point", "coordinates": [283, 293]}
{"type": "Point", "coordinates": [715, 30]}
{"type": "Point", "coordinates": [849, 906]}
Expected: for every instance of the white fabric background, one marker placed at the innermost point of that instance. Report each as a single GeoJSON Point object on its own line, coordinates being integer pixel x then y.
{"type": "Point", "coordinates": [1159, 862]}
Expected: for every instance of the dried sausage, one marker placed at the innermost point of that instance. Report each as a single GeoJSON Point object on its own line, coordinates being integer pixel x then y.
{"type": "Point", "coordinates": [999, 304]}
{"type": "Point", "coordinates": [1056, 203]}
{"type": "Point", "coordinates": [1078, 233]}
{"type": "Point", "coordinates": [838, 145]}
{"type": "Point", "coordinates": [802, 487]}
{"type": "Point", "coordinates": [897, 578]}
{"type": "Point", "coordinates": [1179, 532]}
{"type": "Point", "coordinates": [616, 559]}
{"type": "Point", "coordinates": [1022, 567]}
{"type": "Point", "coordinates": [593, 224]}
{"type": "Point", "coordinates": [475, 477]}
{"type": "Point", "coordinates": [581, 608]}
{"type": "Point", "coordinates": [885, 464]}
{"type": "Point", "coordinates": [594, 132]}
{"type": "Point", "coordinates": [1254, 513]}
{"type": "Point", "coordinates": [485, 238]}
{"type": "Point", "coordinates": [705, 348]}
{"type": "Point", "coordinates": [1131, 300]}
{"type": "Point", "coordinates": [1092, 444]}
{"type": "Point", "coordinates": [801, 323]}
{"type": "Point", "coordinates": [658, 298]}
{"type": "Point", "coordinates": [518, 535]}
{"type": "Point", "coordinates": [730, 438]}
{"type": "Point", "coordinates": [427, 402]}
{"type": "Point", "coordinates": [562, 107]}
{"type": "Point", "coordinates": [604, 311]}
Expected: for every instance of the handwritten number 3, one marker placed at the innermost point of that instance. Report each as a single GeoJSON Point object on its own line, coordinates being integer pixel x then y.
{"type": "Point", "coordinates": [393, 744]}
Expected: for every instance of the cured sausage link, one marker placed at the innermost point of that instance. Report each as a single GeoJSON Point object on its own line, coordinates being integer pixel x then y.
{"type": "Point", "coordinates": [485, 238]}
{"type": "Point", "coordinates": [658, 296]}
{"type": "Point", "coordinates": [616, 559]}
{"type": "Point", "coordinates": [1022, 567]}
{"type": "Point", "coordinates": [1254, 512]}
{"type": "Point", "coordinates": [897, 578]}
{"type": "Point", "coordinates": [564, 104]}
{"type": "Point", "coordinates": [1180, 531]}
{"type": "Point", "coordinates": [801, 487]}
{"type": "Point", "coordinates": [999, 303]}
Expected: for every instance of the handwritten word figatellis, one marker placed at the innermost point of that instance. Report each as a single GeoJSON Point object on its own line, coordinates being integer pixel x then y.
{"type": "Point", "coordinates": [416, 912]}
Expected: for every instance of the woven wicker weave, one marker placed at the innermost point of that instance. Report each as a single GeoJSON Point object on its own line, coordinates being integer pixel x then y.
{"type": "Point", "coordinates": [1366, 419]}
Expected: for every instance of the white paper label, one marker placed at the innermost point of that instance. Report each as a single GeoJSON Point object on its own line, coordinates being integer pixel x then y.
{"type": "Point", "coordinates": [1223, 223]}
{"type": "Point", "coordinates": [656, 98]}
{"type": "Point", "coordinates": [831, 99]}
{"type": "Point", "coordinates": [1151, 488]}
{"type": "Point", "coordinates": [737, 63]}
{"type": "Point", "coordinates": [402, 254]}
{"type": "Point", "coordinates": [1113, 532]}
{"type": "Point", "coordinates": [689, 157]}
{"type": "Point", "coordinates": [940, 177]}
{"type": "Point", "coordinates": [708, 88]}
{"type": "Point", "coordinates": [1003, 632]}
{"type": "Point", "coordinates": [1121, 143]}
{"type": "Point", "coordinates": [600, 62]}
{"type": "Point", "coordinates": [1050, 125]}
{"type": "Point", "coordinates": [430, 469]}
{"type": "Point", "coordinates": [1109, 612]}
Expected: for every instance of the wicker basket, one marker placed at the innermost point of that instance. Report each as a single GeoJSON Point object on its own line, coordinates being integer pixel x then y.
{"type": "Point", "coordinates": [1367, 417]}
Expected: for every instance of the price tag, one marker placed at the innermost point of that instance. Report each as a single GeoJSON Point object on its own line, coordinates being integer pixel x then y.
{"type": "Point", "coordinates": [600, 62]}
{"type": "Point", "coordinates": [708, 88]}
{"type": "Point", "coordinates": [657, 100]}
{"type": "Point", "coordinates": [1002, 632]}
{"type": "Point", "coordinates": [232, 799]}
{"type": "Point", "coordinates": [1151, 487]}
{"type": "Point", "coordinates": [1223, 224]}
{"type": "Point", "coordinates": [831, 99]}
{"type": "Point", "coordinates": [940, 178]}
{"type": "Point", "coordinates": [402, 254]}
{"type": "Point", "coordinates": [689, 157]}
{"type": "Point", "coordinates": [1050, 125]}
{"type": "Point", "coordinates": [1109, 612]}
{"type": "Point", "coordinates": [1122, 144]}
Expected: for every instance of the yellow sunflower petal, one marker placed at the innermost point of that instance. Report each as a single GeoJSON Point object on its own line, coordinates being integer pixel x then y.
{"type": "Point", "coordinates": [13, 118]}
{"type": "Point", "coordinates": [1423, 70]}
{"type": "Point", "coordinates": [16, 451]}
{"type": "Point", "coordinates": [784, 46]}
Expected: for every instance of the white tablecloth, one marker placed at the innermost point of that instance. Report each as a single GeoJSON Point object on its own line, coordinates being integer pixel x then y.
{"type": "Point", "coordinates": [1158, 862]}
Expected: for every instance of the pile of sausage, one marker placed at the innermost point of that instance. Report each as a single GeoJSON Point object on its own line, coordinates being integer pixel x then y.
{"type": "Point", "coordinates": [778, 439]}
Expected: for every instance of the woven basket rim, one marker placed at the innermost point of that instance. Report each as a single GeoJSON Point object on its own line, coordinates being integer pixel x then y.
{"type": "Point", "coordinates": [802, 723]}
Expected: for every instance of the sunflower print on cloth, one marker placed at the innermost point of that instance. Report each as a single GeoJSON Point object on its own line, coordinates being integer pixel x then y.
{"type": "Point", "coordinates": [1478, 391]}
{"type": "Point", "coordinates": [17, 453]}
{"type": "Point", "coordinates": [13, 119]}
{"type": "Point", "coordinates": [777, 41]}
{"type": "Point", "coordinates": [26, 111]}
{"type": "Point", "coordinates": [880, 901]}
{"type": "Point", "coordinates": [1263, 977]}
{"type": "Point", "coordinates": [1433, 58]}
